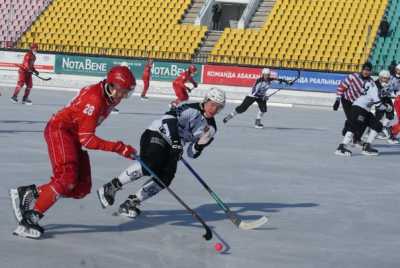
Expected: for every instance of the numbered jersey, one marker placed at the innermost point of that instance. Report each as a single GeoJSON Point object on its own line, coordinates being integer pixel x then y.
{"type": "Point", "coordinates": [369, 97]}
{"type": "Point", "coordinates": [85, 112]}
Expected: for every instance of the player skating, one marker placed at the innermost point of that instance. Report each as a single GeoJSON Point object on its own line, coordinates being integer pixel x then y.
{"type": "Point", "coordinates": [70, 129]}
{"type": "Point", "coordinates": [161, 147]}
{"type": "Point", "coordinates": [257, 94]}
{"type": "Point", "coordinates": [25, 75]}
{"type": "Point", "coordinates": [360, 117]}
{"type": "Point", "coordinates": [146, 78]}
{"type": "Point", "coordinates": [386, 90]}
{"type": "Point", "coordinates": [181, 90]}
{"type": "Point", "coordinates": [349, 90]}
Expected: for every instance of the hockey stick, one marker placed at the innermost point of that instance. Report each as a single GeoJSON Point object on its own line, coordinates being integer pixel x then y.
{"type": "Point", "coordinates": [245, 225]}
{"type": "Point", "coordinates": [208, 234]}
{"type": "Point", "coordinates": [285, 86]}
{"type": "Point", "coordinates": [38, 76]}
{"type": "Point", "coordinates": [42, 78]}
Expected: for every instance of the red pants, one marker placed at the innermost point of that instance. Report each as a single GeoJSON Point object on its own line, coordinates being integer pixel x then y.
{"type": "Point", "coordinates": [180, 92]}
{"type": "Point", "coordinates": [146, 84]}
{"type": "Point", "coordinates": [24, 77]}
{"type": "Point", "coordinates": [70, 164]}
{"type": "Point", "coordinates": [396, 128]}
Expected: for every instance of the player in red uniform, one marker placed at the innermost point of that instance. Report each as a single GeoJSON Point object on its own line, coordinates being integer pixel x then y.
{"type": "Point", "coordinates": [146, 78]}
{"type": "Point", "coordinates": [181, 91]}
{"type": "Point", "coordinates": [70, 129]}
{"type": "Point", "coordinates": [25, 75]}
{"type": "Point", "coordinates": [396, 128]}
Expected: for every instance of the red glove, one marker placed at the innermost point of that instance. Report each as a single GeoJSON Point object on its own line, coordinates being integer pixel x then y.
{"type": "Point", "coordinates": [124, 150]}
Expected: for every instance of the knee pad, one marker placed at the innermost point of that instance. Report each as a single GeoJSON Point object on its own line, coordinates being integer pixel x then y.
{"type": "Point", "coordinates": [132, 173]}
{"type": "Point", "coordinates": [66, 181]}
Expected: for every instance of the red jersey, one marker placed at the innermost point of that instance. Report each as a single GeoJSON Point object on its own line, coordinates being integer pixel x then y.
{"type": "Point", "coordinates": [147, 70]}
{"type": "Point", "coordinates": [29, 61]}
{"type": "Point", "coordinates": [184, 77]}
{"type": "Point", "coordinates": [84, 113]}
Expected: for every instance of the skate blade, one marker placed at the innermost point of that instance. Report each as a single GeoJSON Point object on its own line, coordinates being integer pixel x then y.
{"type": "Point", "coordinates": [102, 199]}
{"type": "Point", "coordinates": [22, 231]}
{"type": "Point", "coordinates": [369, 154]}
{"type": "Point", "coordinates": [258, 127]}
{"type": "Point", "coordinates": [27, 104]}
{"type": "Point", "coordinates": [342, 154]}
{"type": "Point", "coordinates": [15, 204]}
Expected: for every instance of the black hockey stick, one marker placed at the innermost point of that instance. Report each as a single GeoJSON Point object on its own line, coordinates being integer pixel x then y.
{"type": "Point", "coordinates": [42, 78]}
{"type": "Point", "coordinates": [38, 76]}
{"type": "Point", "coordinates": [208, 234]}
{"type": "Point", "coordinates": [245, 225]}
{"type": "Point", "coordinates": [285, 86]}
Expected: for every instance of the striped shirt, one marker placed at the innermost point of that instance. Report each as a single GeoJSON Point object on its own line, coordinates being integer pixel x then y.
{"type": "Point", "coordinates": [352, 87]}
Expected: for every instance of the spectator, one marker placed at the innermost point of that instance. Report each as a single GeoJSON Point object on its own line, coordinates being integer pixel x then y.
{"type": "Point", "coordinates": [216, 16]}
{"type": "Point", "coordinates": [384, 30]}
{"type": "Point", "coordinates": [392, 68]}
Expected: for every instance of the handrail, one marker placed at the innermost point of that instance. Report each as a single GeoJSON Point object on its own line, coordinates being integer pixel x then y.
{"type": "Point", "coordinates": [204, 17]}
{"type": "Point", "coordinates": [248, 13]}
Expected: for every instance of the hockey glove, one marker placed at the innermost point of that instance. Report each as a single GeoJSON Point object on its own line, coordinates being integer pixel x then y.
{"type": "Point", "coordinates": [336, 104]}
{"type": "Point", "coordinates": [265, 98]}
{"type": "Point", "coordinates": [35, 72]}
{"type": "Point", "coordinates": [124, 150]}
{"type": "Point", "coordinates": [195, 85]}
{"type": "Point", "coordinates": [188, 89]}
{"type": "Point", "coordinates": [388, 108]}
{"type": "Point", "coordinates": [176, 150]}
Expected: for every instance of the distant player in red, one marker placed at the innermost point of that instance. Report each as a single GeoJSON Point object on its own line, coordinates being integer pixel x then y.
{"type": "Point", "coordinates": [70, 129]}
{"type": "Point", "coordinates": [181, 91]}
{"type": "Point", "coordinates": [396, 127]}
{"type": "Point", "coordinates": [25, 75]}
{"type": "Point", "coordinates": [146, 78]}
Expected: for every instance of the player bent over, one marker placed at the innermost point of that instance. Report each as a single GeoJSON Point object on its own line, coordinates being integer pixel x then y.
{"type": "Point", "coordinates": [161, 147]}
{"type": "Point", "coordinates": [257, 94]}
{"type": "Point", "coordinates": [70, 129]}
{"type": "Point", "coordinates": [181, 90]}
{"type": "Point", "coordinates": [361, 117]}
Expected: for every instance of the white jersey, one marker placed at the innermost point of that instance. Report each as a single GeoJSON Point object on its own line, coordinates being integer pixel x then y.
{"type": "Point", "coordinates": [191, 124]}
{"type": "Point", "coordinates": [369, 97]}
{"type": "Point", "coordinates": [260, 87]}
{"type": "Point", "coordinates": [394, 85]}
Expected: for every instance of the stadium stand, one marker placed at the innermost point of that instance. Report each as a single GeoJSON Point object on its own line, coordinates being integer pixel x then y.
{"type": "Point", "coordinates": [16, 16]}
{"type": "Point", "coordinates": [326, 34]}
{"type": "Point", "coordinates": [386, 48]}
{"type": "Point", "coordinates": [116, 27]}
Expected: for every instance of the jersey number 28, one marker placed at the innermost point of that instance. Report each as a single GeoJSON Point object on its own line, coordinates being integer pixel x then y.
{"type": "Point", "coordinates": [89, 109]}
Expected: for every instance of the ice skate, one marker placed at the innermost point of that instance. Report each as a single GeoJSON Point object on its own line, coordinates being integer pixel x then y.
{"type": "Point", "coordinates": [29, 226]}
{"type": "Point", "coordinates": [107, 192]}
{"type": "Point", "coordinates": [26, 101]}
{"type": "Point", "coordinates": [129, 207]}
{"type": "Point", "coordinates": [22, 200]}
{"type": "Point", "coordinates": [14, 99]}
{"type": "Point", "coordinates": [368, 150]}
{"type": "Point", "coordinates": [258, 124]}
{"type": "Point", "coordinates": [343, 151]}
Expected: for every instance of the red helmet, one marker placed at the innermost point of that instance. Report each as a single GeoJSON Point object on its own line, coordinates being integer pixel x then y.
{"type": "Point", "coordinates": [121, 76]}
{"type": "Point", "coordinates": [34, 46]}
{"type": "Point", "coordinates": [192, 68]}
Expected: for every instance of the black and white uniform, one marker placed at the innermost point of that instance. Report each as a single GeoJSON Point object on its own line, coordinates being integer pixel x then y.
{"type": "Point", "coordinates": [350, 89]}
{"type": "Point", "coordinates": [385, 94]}
{"type": "Point", "coordinates": [257, 94]}
{"type": "Point", "coordinates": [183, 125]}
{"type": "Point", "coordinates": [394, 85]}
{"type": "Point", "coordinates": [360, 115]}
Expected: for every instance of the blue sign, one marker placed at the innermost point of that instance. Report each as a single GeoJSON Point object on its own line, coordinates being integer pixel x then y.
{"type": "Point", "coordinates": [313, 81]}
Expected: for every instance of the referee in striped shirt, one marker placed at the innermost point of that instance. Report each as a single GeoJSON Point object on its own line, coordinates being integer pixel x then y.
{"type": "Point", "coordinates": [350, 89]}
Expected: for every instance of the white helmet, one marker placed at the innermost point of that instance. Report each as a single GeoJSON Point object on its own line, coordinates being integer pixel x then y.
{"type": "Point", "coordinates": [397, 67]}
{"type": "Point", "coordinates": [216, 95]}
{"type": "Point", "coordinates": [384, 74]}
{"type": "Point", "coordinates": [266, 71]}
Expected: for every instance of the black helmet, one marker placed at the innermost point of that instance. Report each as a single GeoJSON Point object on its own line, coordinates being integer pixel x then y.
{"type": "Point", "coordinates": [367, 66]}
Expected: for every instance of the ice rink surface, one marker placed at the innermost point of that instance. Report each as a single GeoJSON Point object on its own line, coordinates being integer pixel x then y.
{"type": "Point", "coordinates": [324, 210]}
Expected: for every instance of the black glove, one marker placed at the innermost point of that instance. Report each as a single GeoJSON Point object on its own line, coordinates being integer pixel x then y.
{"type": "Point", "coordinates": [336, 104]}
{"type": "Point", "coordinates": [176, 150]}
{"type": "Point", "coordinates": [195, 85]}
